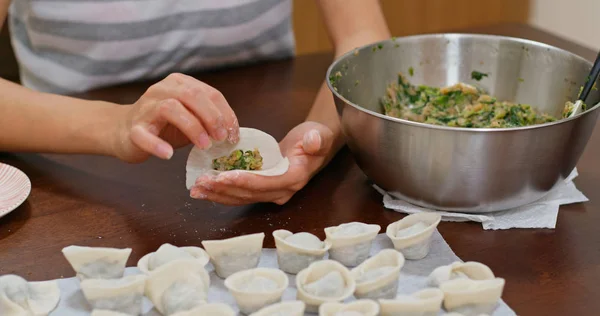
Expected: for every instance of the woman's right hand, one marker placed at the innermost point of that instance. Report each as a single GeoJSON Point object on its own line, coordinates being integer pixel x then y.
{"type": "Point", "coordinates": [173, 113]}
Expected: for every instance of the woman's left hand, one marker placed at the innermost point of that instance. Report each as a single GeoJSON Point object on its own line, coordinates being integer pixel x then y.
{"type": "Point", "coordinates": [307, 146]}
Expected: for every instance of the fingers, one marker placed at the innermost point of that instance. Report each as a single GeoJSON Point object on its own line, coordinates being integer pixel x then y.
{"type": "Point", "coordinates": [204, 102]}
{"type": "Point", "coordinates": [149, 142]}
{"type": "Point", "coordinates": [179, 116]}
{"type": "Point", "coordinates": [317, 141]}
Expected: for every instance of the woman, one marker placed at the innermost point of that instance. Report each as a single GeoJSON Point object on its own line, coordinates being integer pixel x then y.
{"type": "Point", "coordinates": [72, 45]}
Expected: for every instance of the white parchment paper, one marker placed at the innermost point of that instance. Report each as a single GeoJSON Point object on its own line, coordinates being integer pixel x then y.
{"type": "Point", "coordinates": [413, 277]}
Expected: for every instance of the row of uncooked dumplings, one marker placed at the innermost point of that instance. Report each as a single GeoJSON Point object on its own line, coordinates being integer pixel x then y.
{"type": "Point", "coordinates": [176, 282]}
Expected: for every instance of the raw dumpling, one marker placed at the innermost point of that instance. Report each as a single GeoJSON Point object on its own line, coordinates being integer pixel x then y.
{"type": "Point", "coordinates": [167, 253]}
{"type": "Point", "coordinates": [289, 308]}
{"type": "Point", "coordinates": [234, 254]}
{"type": "Point", "coordinates": [274, 164]}
{"type": "Point", "coordinates": [297, 251]}
{"type": "Point", "coordinates": [177, 286]}
{"type": "Point", "coordinates": [412, 234]}
{"type": "Point", "coordinates": [256, 288]}
{"type": "Point", "coordinates": [104, 312]}
{"type": "Point", "coordinates": [19, 297]}
{"type": "Point", "coordinates": [356, 308]}
{"type": "Point", "coordinates": [351, 242]}
{"type": "Point", "coordinates": [97, 262]}
{"type": "Point", "coordinates": [427, 302]}
{"type": "Point", "coordinates": [122, 295]}
{"type": "Point", "coordinates": [472, 297]}
{"type": "Point", "coordinates": [470, 270]}
{"type": "Point", "coordinates": [212, 309]}
{"type": "Point", "coordinates": [324, 281]}
{"type": "Point", "coordinates": [377, 277]}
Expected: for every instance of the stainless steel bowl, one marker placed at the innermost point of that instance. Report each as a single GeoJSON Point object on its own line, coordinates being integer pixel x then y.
{"type": "Point", "coordinates": [461, 169]}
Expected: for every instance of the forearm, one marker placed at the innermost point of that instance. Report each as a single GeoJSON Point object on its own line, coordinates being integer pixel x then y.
{"type": "Point", "coordinates": [39, 122]}
{"type": "Point", "coordinates": [351, 24]}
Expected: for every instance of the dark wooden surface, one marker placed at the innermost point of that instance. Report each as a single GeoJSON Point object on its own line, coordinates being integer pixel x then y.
{"type": "Point", "coordinates": [99, 201]}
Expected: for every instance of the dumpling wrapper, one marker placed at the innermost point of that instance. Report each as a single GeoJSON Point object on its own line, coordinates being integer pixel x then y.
{"type": "Point", "coordinates": [472, 297]}
{"type": "Point", "coordinates": [256, 288]}
{"type": "Point", "coordinates": [355, 308]}
{"type": "Point", "coordinates": [167, 253]}
{"type": "Point", "coordinates": [324, 281]}
{"type": "Point", "coordinates": [178, 286]}
{"type": "Point", "coordinates": [235, 254]}
{"type": "Point", "coordinates": [122, 295]}
{"type": "Point", "coordinates": [412, 234]}
{"type": "Point", "coordinates": [97, 262]}
{"type": "Point", "coordinates": [427, 302]}
{"type": "Point", "coordinates": [211, 309]}
{"type": "Point", "coordinates": [296, 252]}
{"type": "Point", "coordinates": [377, 277]}
{"type": "Point", "coordinates": [19, 297]}
{"type": "Point", "coordinates": [104, 312]}
{"type": "Point", "coordinates": [287, 308]}
{"type": "Point", "coordinates": [351, 242]}
{"type": "Point", "coordinates": [199, 161]}
{"type": "Point", "coordinates": [470, 269]}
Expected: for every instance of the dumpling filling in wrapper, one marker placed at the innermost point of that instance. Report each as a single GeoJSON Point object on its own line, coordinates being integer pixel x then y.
{"type": "Point", "coordinates": [288, 308]}
{"type": "Point", "coordinates": [351, 242]}
{"type": "Point", "coordinates": [469, 270]}
{"type": "Point", "coordinates": [97, 262]}
{"type": "Point", "coordinates": [427, 302]}
{"type": "Point", "coordinates": [235, 254]}
{"type": "Point", "coordinates": [356, 308]}
{"type": "Point", "coordinates": [377, 277]}
{"type": "Point", "coordinates": [243, 156]}
{"type": "Point", "coordinates": [19, 297]}
{"type": "Point", "coordinates": [324, 281]}
{"type": "Point", "coordinates": [296, 252]}
{"type": "Point", "coordinates": [178, 286]}
{"type": "Point", "coordinates": [256, 288]}
{"type": "Point", "coordinates": [167, 253]}
{"type": "Point", "coordinates": [412, 234]}
{"type": "Point", "coordinates": [121, 295]}
{"type": "Point", "coordinates": [472, 297]}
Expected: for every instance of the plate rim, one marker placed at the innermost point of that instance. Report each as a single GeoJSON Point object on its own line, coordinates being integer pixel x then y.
{"type": "Point", "coordinates": [5, 211]}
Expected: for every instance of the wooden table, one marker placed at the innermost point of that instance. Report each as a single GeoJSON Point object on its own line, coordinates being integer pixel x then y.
{"type": "Point", "coordinates": [99, 201]}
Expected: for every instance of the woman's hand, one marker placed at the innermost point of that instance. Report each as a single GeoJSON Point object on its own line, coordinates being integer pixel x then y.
{"type": "Point", "coordinates": [307, 146]}
{"type": "Point", "coordinates": [173, 113]}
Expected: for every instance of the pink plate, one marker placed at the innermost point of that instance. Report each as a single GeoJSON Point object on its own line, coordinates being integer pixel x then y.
{"type": "Point", "coordinates": [14, 188]}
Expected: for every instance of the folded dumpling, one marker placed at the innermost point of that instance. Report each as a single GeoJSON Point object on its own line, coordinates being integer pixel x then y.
{"type": "Point", "coordinates": [427, 302]}
{"type": "Point", "coordinates": [377, 277]}
{"type": "Point", "coordinates": [470, 270]}
{"type": "Point", "coordinates": [212, 309]}
{"type": "Point", "coordinates": [324, 281]}
{"type": "Point", "coordinates": [412, 234]}
{"type": "Point", "coordinates": [297, 251]}
{"type": "Point", "coordinates": [178, 286]}
{"type": "Point", "coordinates": [97, 262]}
{"type": "Point", "coordinates": [167, 253]}
{"type": "Point", "coordinates": [234, 254]}
{"type": "Point", "coordinates": [472, 297]}
{"type": "Point", "coordinates": [351, 242]}
{"type": "Point", "coordinates": [122, 295]}
{"type": "Point", "coordinates": [288, 308]}
{"type": "Point", "coordinates": [19, 297]}
{"type": "Point", "coordinates": [104, 312]}
{"type": "Point", "coordinates": [256, 288]}
{"type": "Point", "coordinates": [356, 308]}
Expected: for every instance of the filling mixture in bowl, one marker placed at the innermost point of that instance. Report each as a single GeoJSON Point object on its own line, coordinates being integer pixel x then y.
{"type": "Point", "coordinates": [460, 105]}
{"type": "Point", "coordinates": [239, 160]}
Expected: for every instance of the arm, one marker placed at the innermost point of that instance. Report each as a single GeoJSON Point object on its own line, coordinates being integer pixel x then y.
{"type": "Point", "coordinates": [351, 23]}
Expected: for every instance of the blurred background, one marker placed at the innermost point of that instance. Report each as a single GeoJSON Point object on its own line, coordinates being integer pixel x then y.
{"type": "Point", "coordinates": [574, 20]}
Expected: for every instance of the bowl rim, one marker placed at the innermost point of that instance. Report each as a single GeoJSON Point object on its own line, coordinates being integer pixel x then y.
{"type": "Point", "coordinates": [337, 60]}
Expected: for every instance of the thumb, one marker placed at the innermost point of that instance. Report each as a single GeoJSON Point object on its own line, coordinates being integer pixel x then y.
{"type": "Point", "coordinates": [313, 143]}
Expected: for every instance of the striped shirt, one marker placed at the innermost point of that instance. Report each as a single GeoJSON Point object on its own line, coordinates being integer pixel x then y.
{"type": "Point", "coordinates": [66, 46]}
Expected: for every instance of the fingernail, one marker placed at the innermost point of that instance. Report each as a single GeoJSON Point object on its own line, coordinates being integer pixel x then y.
{"type": "Point", "coordinates": [196, 194]}
{"type": "Point", "coordinates": [234, 133]}
{"type": "Point", "coordinates": [164, 151]}
{"type": "Point", "coordinates": [204, 140]}
{"type": "Point", "coordinates": [221, 133]}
